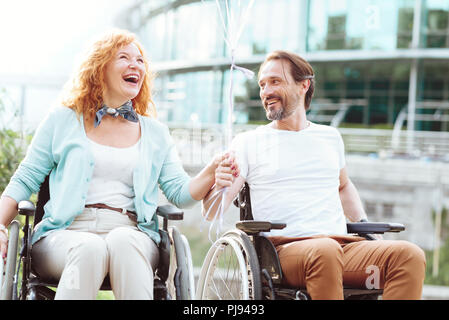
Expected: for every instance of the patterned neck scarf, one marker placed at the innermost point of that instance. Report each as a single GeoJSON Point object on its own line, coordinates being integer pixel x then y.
{"type": "Point", "coordinates": [126, 111]}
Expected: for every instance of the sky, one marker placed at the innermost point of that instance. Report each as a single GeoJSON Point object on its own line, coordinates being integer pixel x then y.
{"type": "Point", "coordinates": [44, 36]}
{"type": "Point", "coordinates": [40, 42]}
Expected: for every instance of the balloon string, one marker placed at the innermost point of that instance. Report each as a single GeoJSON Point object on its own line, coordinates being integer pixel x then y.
{"type": "Point", "coordinates": [219, 195]}
{"type": "Point", "coordinates": [231, 33]}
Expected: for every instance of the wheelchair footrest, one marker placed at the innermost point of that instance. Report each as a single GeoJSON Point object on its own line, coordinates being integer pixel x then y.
{"type": "Point", "coordinates": [254, 227]}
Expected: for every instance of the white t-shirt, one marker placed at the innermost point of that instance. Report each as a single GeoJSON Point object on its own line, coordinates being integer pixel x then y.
{"type": "Point", "coordinates": [294, 178]}
{"type": "Point", "coordinates": [112, 178]}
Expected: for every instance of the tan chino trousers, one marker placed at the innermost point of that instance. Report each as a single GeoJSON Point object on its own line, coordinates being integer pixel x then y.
{"type": "Point", "coordinates": [98, 242]}
{"type": "Point", "coordinates": [324, 264]}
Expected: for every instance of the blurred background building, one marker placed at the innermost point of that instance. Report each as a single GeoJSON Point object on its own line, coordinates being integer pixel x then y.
{"type": "Point", "coordinates": [378, 62]}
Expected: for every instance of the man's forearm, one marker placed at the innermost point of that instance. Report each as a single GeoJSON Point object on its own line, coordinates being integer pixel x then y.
{"type": "Point", "coordinates": [351, 202]}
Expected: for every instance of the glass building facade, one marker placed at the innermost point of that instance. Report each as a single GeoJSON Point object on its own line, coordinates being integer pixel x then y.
{"type": "Point", "coordinates": [374, 60]}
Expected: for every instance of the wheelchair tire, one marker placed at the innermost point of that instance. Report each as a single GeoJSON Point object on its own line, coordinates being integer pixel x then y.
{"type": "Point", "coordinates": [11, 262]}
{"type": "Point", "coordinates": [230, 270]}
{"type": "Point", "coordinates": [181, 279]}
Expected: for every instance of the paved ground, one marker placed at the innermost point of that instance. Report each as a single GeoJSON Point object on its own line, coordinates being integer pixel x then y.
{"type": "Point", "coordinates": [435, 293]}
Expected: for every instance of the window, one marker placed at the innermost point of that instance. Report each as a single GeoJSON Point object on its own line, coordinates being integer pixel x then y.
{"type": "Point", "coordinates": [387, 210]}
{"type": "Point", "coordinates": [436, 13]}
{"type": "Point", "coordinates": [360, 24]}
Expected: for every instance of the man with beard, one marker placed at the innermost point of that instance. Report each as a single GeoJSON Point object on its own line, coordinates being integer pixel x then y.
{"type": "Point", "coordinates": [296, 173]}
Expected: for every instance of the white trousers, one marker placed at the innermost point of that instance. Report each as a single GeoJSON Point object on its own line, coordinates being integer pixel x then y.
{"type": "Point", "coordinates": [98, 242]}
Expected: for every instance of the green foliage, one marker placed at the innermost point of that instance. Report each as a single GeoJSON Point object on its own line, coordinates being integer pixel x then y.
{"type": "Point", "coordinates": [11, 153]}
{"type": "Point", "coordinates": [105, 295]}
{"type": "Point", "coordinates": [198, 241]}
{"type": "Point", "coordinates": [12, 148]}
{"type": "Point", "coordinates": [442, 279]}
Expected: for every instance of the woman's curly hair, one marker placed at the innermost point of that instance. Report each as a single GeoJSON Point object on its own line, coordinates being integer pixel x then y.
{"type": "Point", "coordinates": [84, 92]}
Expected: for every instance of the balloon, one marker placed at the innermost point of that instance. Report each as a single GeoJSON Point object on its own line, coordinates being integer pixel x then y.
{"type": "Point", "coordinates": [233, 21]}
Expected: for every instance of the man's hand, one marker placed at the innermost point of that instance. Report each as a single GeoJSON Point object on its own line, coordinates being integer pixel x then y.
{"type": "Point", "coordinates": [226, 171]}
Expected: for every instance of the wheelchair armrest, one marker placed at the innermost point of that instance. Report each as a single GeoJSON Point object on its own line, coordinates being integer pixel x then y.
{"type": "Point", "coordinates": [254, 227]}
{"type": "Point", "coordinates": [169, 212]}
{"type": "Point", "coordinates": [374, 227]}
{"type": "Point", "coordinates": [26, 208]}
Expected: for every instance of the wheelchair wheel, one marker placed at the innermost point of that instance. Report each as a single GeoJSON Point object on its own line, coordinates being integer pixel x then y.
{"type": "Point", "coordinates": [230, 270]}
{"type": "Point", "coordinates": [181, 280]}
{"type": "Point", "coordinates": [11, 262]}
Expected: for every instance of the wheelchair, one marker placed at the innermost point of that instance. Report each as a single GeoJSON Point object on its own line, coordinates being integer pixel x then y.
{"type": "Point", "coordinates": [173, 276]}
{"type": "Point", "coordinates": [244, 265]}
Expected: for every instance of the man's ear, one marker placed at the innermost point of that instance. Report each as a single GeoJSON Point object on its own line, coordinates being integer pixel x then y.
{"type": "Point", "coordinates": [304, 86]}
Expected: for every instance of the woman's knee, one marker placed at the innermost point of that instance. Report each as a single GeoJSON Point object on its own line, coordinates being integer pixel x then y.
{"type": "Point", "coordinates": [129, 245]}
{"type": "Point", "coordinates": [124, 240]}
{"type": "Point", "coordinates": [90, 248]}
{"type": "Point", "coordinates": [121, 239]}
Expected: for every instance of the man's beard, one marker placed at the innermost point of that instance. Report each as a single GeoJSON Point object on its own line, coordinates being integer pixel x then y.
{"type": "Point", "coordinates": [286, 109]}
{"type": "Point", "coordinates": [278, 114]}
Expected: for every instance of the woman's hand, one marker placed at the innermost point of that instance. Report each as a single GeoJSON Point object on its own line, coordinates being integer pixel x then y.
{"type": "Point", "coordinates": [226, 171]}
{"type": "Point", "coordinates": [219, 173]}
{"type": "Point", "coordinates": [3, 243]}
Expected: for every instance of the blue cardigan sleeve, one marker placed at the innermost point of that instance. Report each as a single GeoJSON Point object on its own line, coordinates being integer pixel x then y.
{"type": "Point", "coordinates": [36, 165]}
{"type": "Point", "coordinates": [173, 180]}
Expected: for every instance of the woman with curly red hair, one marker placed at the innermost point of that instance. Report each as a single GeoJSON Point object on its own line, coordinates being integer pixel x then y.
{"type": "Point", "coordinates": [105, 154]}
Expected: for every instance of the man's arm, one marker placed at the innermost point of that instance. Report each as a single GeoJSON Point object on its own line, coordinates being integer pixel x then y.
{"type": "Point", "coordinates": [350, 199]}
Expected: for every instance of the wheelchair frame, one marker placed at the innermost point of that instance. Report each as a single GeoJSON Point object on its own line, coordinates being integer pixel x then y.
{"type": "Point", "coordinates": [263, 269]}
{"type": "Point", "coordinates": [173, 275]}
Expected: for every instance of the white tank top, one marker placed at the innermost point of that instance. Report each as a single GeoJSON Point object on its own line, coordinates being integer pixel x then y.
{"type": "Point", "coordinates": [112, 178]}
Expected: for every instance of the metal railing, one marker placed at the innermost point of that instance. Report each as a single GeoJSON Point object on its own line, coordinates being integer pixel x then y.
{"type": "Point", "coordinates": [414, 144]}
{"type": "Point", "coordinates": [198, 144]}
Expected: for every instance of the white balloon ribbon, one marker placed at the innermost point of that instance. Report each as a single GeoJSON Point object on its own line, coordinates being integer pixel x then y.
{"type": "Point", "coordinates": [232, 29]}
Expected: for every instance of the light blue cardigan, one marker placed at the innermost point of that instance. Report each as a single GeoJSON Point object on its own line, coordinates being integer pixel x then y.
{"type": "Point", "coordinates": [60, 145]}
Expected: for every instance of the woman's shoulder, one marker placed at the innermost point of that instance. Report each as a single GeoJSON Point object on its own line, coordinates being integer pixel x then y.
{"type": "Point", "coordinates": [61, 113]}
{"type": "Point", "coordinates": [153, 124]}
{"type": "Point", "coordinates": [58, 116]}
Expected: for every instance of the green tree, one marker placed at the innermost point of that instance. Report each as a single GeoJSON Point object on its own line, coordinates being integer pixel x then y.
{"type": "Point", "coordinates": [442, 278]}
{"type": "Point", "coordinates": [12, 147]}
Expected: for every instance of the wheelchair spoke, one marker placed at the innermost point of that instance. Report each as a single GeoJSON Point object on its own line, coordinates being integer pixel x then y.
{"type": "Point", "coordinates": [225, 276]}
{"type": "Point", "coordinates": [221, 278]}
{"type": "Point", "coordinates": [216, 290]}
{"type": "Point", "coordinates": [220, 275]}
{"type": "Point", "coordinates": [232, 279]}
